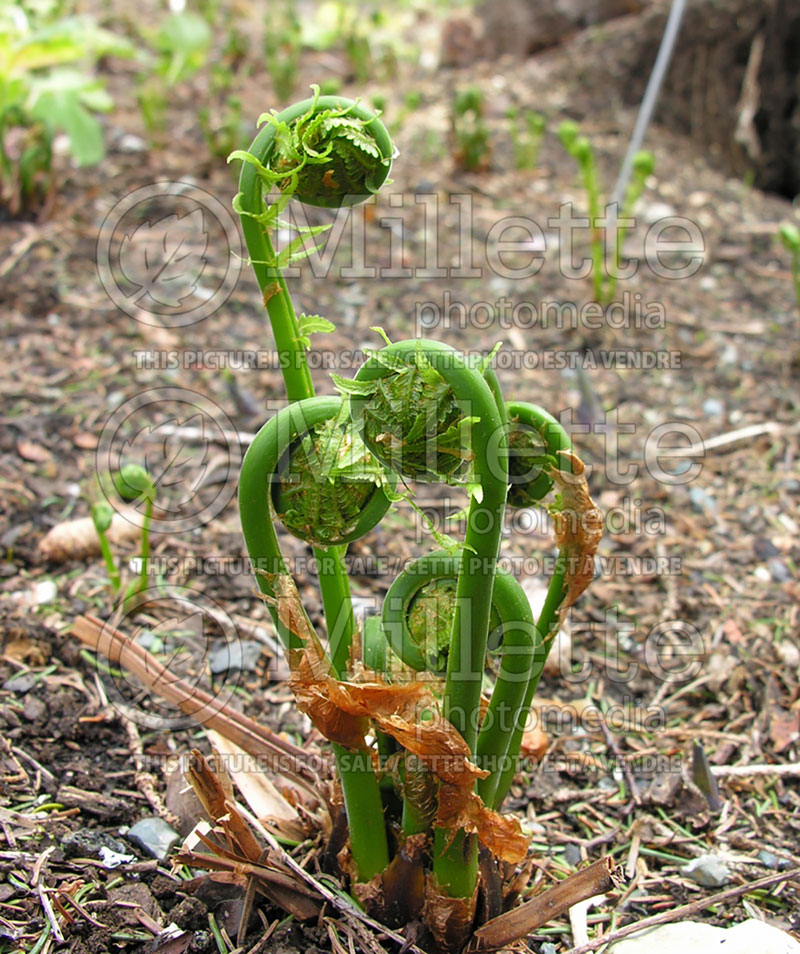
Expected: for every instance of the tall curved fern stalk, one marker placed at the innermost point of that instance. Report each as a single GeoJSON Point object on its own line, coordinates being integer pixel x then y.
{"type": "Point", "coordinates": [424, 761]}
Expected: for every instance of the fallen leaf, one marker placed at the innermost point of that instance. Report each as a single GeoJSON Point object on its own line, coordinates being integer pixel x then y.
{"type": "Point", "coordinates": [85, 441]}
{"type": "Point", "coordinates": [578, 529]}
{"type": "Point", "coordinates": [461, 809]}
{"type": "Point", "coordinates": [35, 453]}
{"type": "Point", "coordinates": [784, 729]}
{"type": "Point", "coordinates": [264, 799]}
{"type": "Point", "coordinates": [534, 744]}
{"type": "Point", "coordinates": [732, 632]}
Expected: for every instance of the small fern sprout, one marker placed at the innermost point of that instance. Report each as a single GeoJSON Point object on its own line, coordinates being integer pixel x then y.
{"type": "Point", "coordinates": [790, 237]}
{"type": "Point", "coordinates": [326, 151]}
{"type": "Point", "coordinates": [328, 489]}
{"type": "Point", "coordinates": [535, 441]}
{"type": "Point", "coordinates": [102, 515]}
{"type": "Point", "coordinates": [134, 484]}
{"type": "Point", "coordinates": [410, 419]}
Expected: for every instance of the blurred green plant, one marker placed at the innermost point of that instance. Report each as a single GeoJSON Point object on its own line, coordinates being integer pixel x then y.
{"type": "Point", "coordinates": [181, 45]}
{"type": "Point", "coordinates": [471, 147]}
{"type": "Point", "coordinates": [369, 34]}
{"type": "Point", "coordinates": [527, 129]}
{"type": "Point", "coordinates": [790, 238]}
{"type": "Point", "coordinates": [604, 280]}
{"type": "Point", "coordinates": [282, 46]}
{"type": "Point", "coordinates": [48, 86]}
{"type": "Point", "coordinates": [133, 484]}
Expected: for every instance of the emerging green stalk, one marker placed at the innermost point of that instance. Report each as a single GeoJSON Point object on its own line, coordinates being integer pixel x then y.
{"type": "Point", "coordinates": [604, 281]}
{"type": "Point", "coordinates": [102, 515]}
{"type": "Point", "coordinates": [359, 783]}
{"type": "Point", "coordinates": [790, 236]}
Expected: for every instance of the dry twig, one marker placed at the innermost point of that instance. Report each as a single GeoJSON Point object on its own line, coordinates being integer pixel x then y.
{"type": "Point", "coordinates": [598, 878]}
{"type": "Point", "coordinates": [685, 911]}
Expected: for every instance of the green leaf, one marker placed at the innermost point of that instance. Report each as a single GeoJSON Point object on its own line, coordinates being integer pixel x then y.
{"type": "Point", "coordinates": [313, 324]}
{"type": "Point", "coordinates": [489, 359]}
{"type": "Point", "coordinates": [379, 331]}
{"type": "Point", "coordinates": [475, 490]}
{"type": "Point", "coordinates": [350, 386]}
{"type": "Point", "coordinates": [64, 111]}
{"type": "Point", "coordinates": [790, 236]}
{"type": "Point", "coordinates": [310, 325]}
{"type": "Point", "coordinates": [184, 40]}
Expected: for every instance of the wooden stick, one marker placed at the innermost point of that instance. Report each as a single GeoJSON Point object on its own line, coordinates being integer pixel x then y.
{"type": "Point", "coordinates": [286, 759]}
{"type": "Point", "coordinates": [519, 922]}
{"type": "Point", "coordinates": [748, 771]}
{"type": "Point", "coordinates": [685, 911]}
{"type": "Point", "coordinates": [732, 437]}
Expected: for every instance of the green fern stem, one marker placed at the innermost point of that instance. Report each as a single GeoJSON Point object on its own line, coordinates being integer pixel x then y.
{"type": "Point", "coordinates": [556, 444]}
{"type": "Point", "coordinates": [455, 865]}
{"type": "Point", "coordinates": [362, 797]}
{"type": "Point", "coordinates": [369, 844]}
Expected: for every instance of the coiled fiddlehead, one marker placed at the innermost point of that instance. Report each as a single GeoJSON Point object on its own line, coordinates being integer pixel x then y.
{"type": "Point", "coordinates": [327, 488]}
{"type": "Point", "coordinates": [418, 610]}
{"type": "Point", "coordinates": [536, 442]}
{"type": "Point", "coordinates": [326, 151]}
{"type": "Point", "coordinates": [288, 466]}
{"type": "Point", "coordinates": [409, 417]}
{"type": "Point", "coordinates": [419, 635]}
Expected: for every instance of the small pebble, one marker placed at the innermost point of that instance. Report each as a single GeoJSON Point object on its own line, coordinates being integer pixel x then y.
{"type": "Point", "coordinates": [150, 641]}
{"type": "Point", "coordinates": [698, 199]}
{"type": "Point", "coordinates": [131, 143]}
{"type": "Point", "coordinates": [113, 859]}
{"type": "Point", "coordinates": [35, 709]}
{"type": "Point", "coordinates": [789, 653]}
{"type": "Point", "coordinates": [44, 592]}
{"type": "Point", "coordinates": [712, 407]}
{"type": "Point", "coordinates": [779, 571]}
{"type": "Point", "coordinates": [702, 501]}
{"type": "Point", "coordinates": [655, 211]}
{"type": "Point", "coordinates": [242, 654]}
{"type": "Point", "coordinates": [19, 684]}
{"type": "Point", "coordinates": [710, 871]}
{"type": "Point", "coordinates": [572, 855]}
{"type": "Point", "coordinates": [154, 836]}
{"type": "Point", "coordinates": [764, 549]}
{"type": "Point", "coordinates": [768, 859]}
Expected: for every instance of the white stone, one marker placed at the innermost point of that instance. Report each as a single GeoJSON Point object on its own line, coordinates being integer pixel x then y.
{"type": "Point", "coordinates": [694, 937]}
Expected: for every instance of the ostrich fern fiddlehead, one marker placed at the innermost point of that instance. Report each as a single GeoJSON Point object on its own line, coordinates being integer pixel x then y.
{"type": "Point", "coordinates": [326, 468]}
